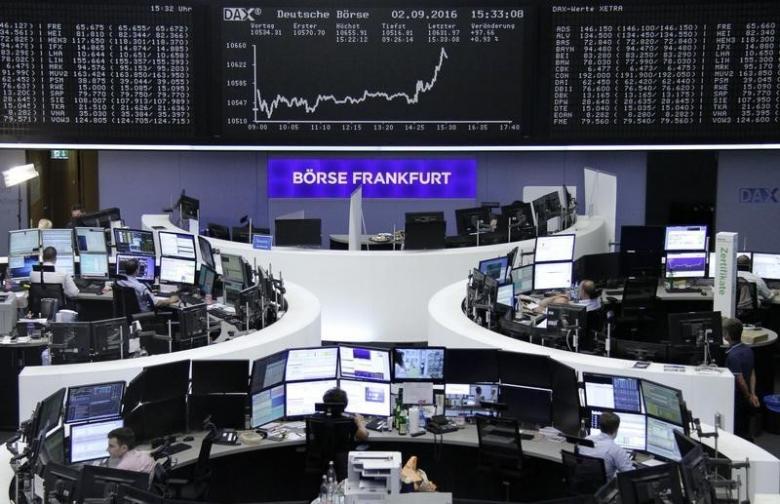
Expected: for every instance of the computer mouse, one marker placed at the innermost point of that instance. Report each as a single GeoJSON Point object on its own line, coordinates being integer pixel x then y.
{"type": "Point", "coordinates": [188, 438]}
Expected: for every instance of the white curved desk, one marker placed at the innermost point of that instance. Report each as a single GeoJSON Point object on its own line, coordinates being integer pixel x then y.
{"type": "Point", "coordinates": [382, 295]}
{"type": "Point", "coordinates": [299, 327]}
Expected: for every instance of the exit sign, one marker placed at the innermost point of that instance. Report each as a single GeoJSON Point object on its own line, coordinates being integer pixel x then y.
{"type": "Point", "coordinates": [60, 154]}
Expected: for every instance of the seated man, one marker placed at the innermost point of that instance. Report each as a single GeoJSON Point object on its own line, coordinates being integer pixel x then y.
{"type": "Point", "coordinates": [54, 277]}
{"type": "Point", "coordinates": [146, 300]}
{"type": "Point", "coordinates": [616, 459]}
{"type": "Point", "coordinates": [743, 271]}
{"type": "Point", "coordinates": [338, 396]}
{"type": "Point", "coordinates": [123, 453]}
{"type": "Point", "coordinates": [590, 296]}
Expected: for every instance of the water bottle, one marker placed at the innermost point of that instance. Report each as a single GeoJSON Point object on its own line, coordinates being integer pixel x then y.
{"type": "Point", "coordinates": [324, 490]}
{"type": "Point", "coordinates": [30, 329]}
{"type": "Point", "coordinates": [421, 423]}
{"type": "Point", "coordinates": [331, 472]}
{"type": "Point", "coordinates": [46, 357]}
{"type": "Point", "coordinates": [331, 491]}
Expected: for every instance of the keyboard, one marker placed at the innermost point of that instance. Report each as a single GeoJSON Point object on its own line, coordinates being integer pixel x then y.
{"type": "Point", "coordinates": [191, 299]}
{"type": "Point", "coordinates": [176, 448]}
{"type": "Point", "coordinates": [683, 290]}
{"type": "Point", "coordinates": [377, 424]}
{"type": "Point", "coordinates": [91, 289]}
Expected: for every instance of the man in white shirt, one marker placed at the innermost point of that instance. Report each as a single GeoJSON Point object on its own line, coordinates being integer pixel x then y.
{"type": "Point", "coordinates": [54, 277]}
{"type": "Point", "coordinates": [743, 271]}
{"type": "Point", "coordinates": [590, 297]}
{"type": "Point", "coordinates": [616, 459]}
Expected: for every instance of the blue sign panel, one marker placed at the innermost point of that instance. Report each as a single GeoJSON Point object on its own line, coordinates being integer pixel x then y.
{"type": "Point", "coordinates": [262, 242]}
{"type": "Point", "coordinates": [380, 178]}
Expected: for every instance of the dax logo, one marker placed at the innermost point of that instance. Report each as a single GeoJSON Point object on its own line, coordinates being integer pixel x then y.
{"type": "Point", "coordinates": [759, 195]}
{"type": "Point", "coordinates": [240, 13]}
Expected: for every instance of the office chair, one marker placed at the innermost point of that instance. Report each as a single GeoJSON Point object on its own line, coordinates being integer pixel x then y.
{"type": "Point", "coordinates": [595, 327]}
{"type": "Point", "coordinates": [500, 451]}
{"type": "Point", "coordinates": [156, 340]}
{"type": "Point", "coordinates": [218, 231]}
{"type": "Point", "coordinates": [637, 307]}
{"type": "Point", "coordinates": [41, 291]}
{"type": "Point", "coordinates": [328, 438]}
{"type": "Point", "coordinates": [583, 474]}
{"type": "Point", "coordinates": [748, 309]}
{"type": "Point", "coordinates": [197, 486]}
{"type": "Point", "coordinates": [241, 233]}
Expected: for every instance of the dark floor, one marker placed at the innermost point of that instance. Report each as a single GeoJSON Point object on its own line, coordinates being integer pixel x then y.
{"type": "Point", "coordinates": [771, 442]}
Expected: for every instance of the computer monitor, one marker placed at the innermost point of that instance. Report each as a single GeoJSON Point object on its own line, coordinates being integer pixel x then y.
{"type": "Point", "coordinates": [662, 402]}
{"type": "Point", "coordinates": [298, 232]}
{"type": "Point", "coordinates": [311, 363]}
{"type": "Point", "coordinates": [206, 279]}
{"type": "Point", "coordinates": [495, 268]}
{"type": "Point", "coordinates": [465, 399]}
{"type": "Point", "coordinates": [129, 495]}
{"type": "Point", "coordinates": [91, 240]}
{"type": "Point", "coordinates": [506, 295]}
{"type": "Point", "coordinates": [564, 319]}
{"type": "Point", "coordinates": [631, 434]}
{"type": "Point", "coordinates": [60, 239]}
{"type": "Point", "coordinates": [471, 220]}
{"type": "Point", "coordinates": [268, 371]}
{"type": "Point", "coordinates": [529, 370]}
{"type": "Point", "coordinates": [548, 209]}
{"type": "Point", "coordinates": [693, 467]}
{"type": "Point", "coordinates": [268, 405]}
{"type": "Point", "coordinates": [423, 217]}
{"type": "Point", "coordinates": [23, 242]}
{"type": "Point", "coordinates": [134, 241]}
{"type": "Point", "coordinates": [520, 213]}
{"type": "Point", "coordinates": [89, 441]}
{"type": "Point", "coordinates": [529, 405]}
{"type": "Point", "coordinates": [206, 252]}
{"type": "Point", "coordinates": [713, 261]}
{"type": "Point", "coordinates": [110, 338]}
{"type": "Point", "coordinates": [60, 480]}
{"type": "Point", "coordinates": [64, 264]}
{"type": "Point", "coordinates": [225, 411]}
{"type": "Point", "coordinates": [554, 275]}
{"type": "Point", "coordinates": [193, 323]}
{"type": "Point", "coordinates": [695, 328]}
{"type": "Point", "coordinates": [232, 293]}
{"type": "Point", "coordinates": [554, 248]}
{"type": "Point", "coordinates": [650, 484]}
{"type": "Point", "coordinates": [686, 265]}
{"type": "Point", "coordinates": [601, 268]}
{"type": "Point", "coordinates": [99, 481]}
{"type": "Point", "coordinates": [178, 271]}
{"type": "Point", "coordinates": [219, 376]}
{"type": "Point", "coordinates": [766, 265]}
{"type": "Point", "coordinates": [680, 238]}
{"type": "Point", "coordinates": [70, 342]}
{"type": "Point", "coordinates": [425, 235]}
{"type": "Point", "coordinates": [640, 350]}
{"type": "Point", "coordinates": [49, 412]}
{"type": "Point", "coordinates": [660, 439]}
{"type": "Point", "coordinates": [301, 397]}
{"type": "Point", "coordinates": [179, 245]}
{"type": "Point", "coordinates": [93, 265]}
{"type": "Point", "coordinates": [20, 267]}
{"type": "Point", "coordinates": [160, 418]}
{"type": "Point", "coordinates": [188, 207]}
{"type": "Point", "coordinates": [642, 238]}
{"type": "Point", "coordinates": [94, 402]}
{"type": "Point", "coordinates": [418, 364]}
{"type": "Point", "coordinates": [566, 398]}
{"type": "Point", "coordinates": [54, 447]}
{"type": "Point", "coordinates": [471, 365]}
{"type": "Point", "coordinates": [523, 279]}
{"type": "Point", "coordinates": [360, 363]}
{"type": "Point", "coordinates": [165, 381]}
{"type": "Point", "coordinates": [233, 269]}
{"type": "Point", "coordinates": [146, 266]}
{"type": "Point", "coordinates": [612, 392]}
{"type": "Point", "coordinates": [367, 398]}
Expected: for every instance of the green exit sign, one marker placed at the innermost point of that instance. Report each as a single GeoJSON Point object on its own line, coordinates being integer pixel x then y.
{"type": "Point", "coordinates": [60, 154]}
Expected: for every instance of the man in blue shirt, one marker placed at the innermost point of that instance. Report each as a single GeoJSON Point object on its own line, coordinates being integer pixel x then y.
{"type": "Point", "coordinates": [739, 360]}
{"type": "Point", "coordinates": [146, 300]}
{"type": "Point", "coordinates": [616, 459]}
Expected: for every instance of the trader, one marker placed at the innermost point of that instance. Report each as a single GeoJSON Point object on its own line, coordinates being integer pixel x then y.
{"type": "Point", "coordinates": [54, 277]}
{"type": "Point", "coordinates": [123, 453]}
{"type": "Point", "coordinates": [338, 396]}
{"type": "Point", "coordinates": [743, 271]}
{"type": "Point", "coordinates": [146, 300]}
{"type": "Point", "coordinates": [616, 459]}
{"type": "Point", "coordinates": [739, 360]}
{"type": "Point", "coordinates": [590, 296]}
{"type": "Point", "coordinates": [75, 216]}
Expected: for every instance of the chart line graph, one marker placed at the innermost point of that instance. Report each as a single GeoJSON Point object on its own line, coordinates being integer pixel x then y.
{"type": "Point", "coordinates": [266, 108]}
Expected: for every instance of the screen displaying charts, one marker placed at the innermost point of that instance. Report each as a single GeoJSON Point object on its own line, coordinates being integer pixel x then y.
{"type": "Point", "coordinates": [631, 434]}
{"type": "Point", "coordinates": [268, 406]}
{"type": "Point", "coordinates": [89, 441]}
{"type": "Point", "coordinates": [660, 438]}
{"type": "Point", "coordinates": [686, 238]}
{"type": "Point", "coordinates": [365, 363]}
{"type": "Point", "coordinates": [23, 242]}
{"type": "Point", "coordinates": [523, 279]}
{"type": "Point", "coordinates": [174, 270]}
{"type": "Point", "coordinates": [612, 392]}
{"type": "Point", "coordinates": [60, 239]}
{"type": "Point", "coordinates": [94, 265]}
{"type": "Point", "coordinates": [766, 266]}
{"type": "Point", "coordinates": [91, 240]}
{"type": "Point", "coordinates": [506, 295]}
{"type": "Point", "coordinates": [177, 245]}
{"type": "Point", "coordinates": [303, 396]}
{"type": "Point", "coordinates": [367, 398]}
{"type": "Point", "coordinates": [554, 248]}
{"type": "Point", "coordinates": [555, 275]}
{"type": "Point", "coordinates": [686, 265]}
{"type": "Point", "coordinates": [311, 363]}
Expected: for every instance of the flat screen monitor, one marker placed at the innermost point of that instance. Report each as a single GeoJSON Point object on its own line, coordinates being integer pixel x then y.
{"type": "Point", "coordinates": [91, 240]}
{"type": "Point", "coordinates": [89, 441]}
{"type": "Point", "coordinates": [99, 481]}
{"type": "Point", "coordinates": [424, 217]}
{"type": "Point", "coordinates": [233, 268]}
{"type": "Point", "coordinates": [268, 371]}
{"type": "Point", "coordinates": [418, 364]}
{"type": "Point", "coordinates": [679, 238]}
{"type": "Point", "coordinates": [523, 279]}
{"type": "Point", "coordinates": [188, 207]}
{"type": "Point", "coordinates": [301, 397]}
{"type": "Point", "coordinates": [612, 392]}
{"type": "Point", "coordinates": [564, 319]}
{"type": "Point", "coordinates": [695, 328]}
{"type": "Point", "coordinates": [425, 235]}
{"type": "Point", "coordinates": [232, 292]}
{"type": "Point", "coordinates": [642, 238]}
{"type": "Point", "coordinates": [219, 376]}
{"type": "Point", "coordinates": [227, 411]}
{"type": "Point", "coordinates": [50, 412]}
{"type": "Point", "coordinates": [367, 398]}
{"type": "Point", "coordinates": [471, 365]}
{"type": "Point", "coordinates": [268, 406]}
{"type": "Point", "coordinates": [160, 418]}
{"type": "Point", "coordinates": [529, 405]}
{"type": "Point", "coordinates": [686, 265]}
{"type": "Point", "coordinates": [179, 271]}
{"type": "Point", "coordinates": [177, 245]}
{"type": "Point", "coordinates": [20, 267]}
{"type": "Point", "coordinates": [311, 363]}
{"type": "Point", "coordinates": [661, 440]}
{"type": "Point", "coordinates": [146, 267]}
{"type": "Point", "coordinates": [464, 399]}
{"type": "Point", "coordinates": [471, 220]}
{"type": "Point", "coordinates": [556, 275]}
{"type": "Point", "coordinates": [206, 252]}
{"type": "Point", "coordinates": [496, 268]}
{"type": "Point", "coordinates": [70, 342]}
{"type": "Point", "coordinates": [110, 338]}
{"type": "Point", "coordinates": [165, 381]}
{"type": "Point", "coordinates": [662, 402]}
{"type": "Point", "coordinates": [206, 278]}
{"type": "Point", "coordinates": [600, 268]}
{"type": "Point", "coordinates": [134, 241]}
{"type": "Point", "coordinates": [506, 295]}
{"type": "Point", "coordinates": [360, 363]}
{"type": "Point", "coordinates": [94, 402]}
{"type": "Point", "coordinates": [54, 446]}
{"type": "Point", "coordinates": [530, 370]}
{"type": "Point", "coordinates": [520, 214]}
{"type": "Point", "coordinates": [23, 242]}
{"type": "Point", "coordinates": [65, 264]}
{"type": "Point", "coordinates": [631, 433]}
{"type": "Point", "coordinates": [93, 265]}
{"type": "Point", "coordinates": [298, 232]}
{"type": "Point", "coordinates": [60, 478]}
{"type": "Point", "coordinates": [554, 248]}
{"type": "Point", "coordinates": [766, 265]}
{"type": "Point", "coordinates": [60, 239]}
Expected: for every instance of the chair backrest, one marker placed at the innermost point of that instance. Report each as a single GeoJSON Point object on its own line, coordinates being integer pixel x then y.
{"type": "Point", "coordinates": [125, 301]}
{"type": "Point", "coordinates": [584, 474]}
{"type": "Point", "coordinates": [639, 292]}
{"type": "Point", "coordinates": [329, 438]}
{"type": "Point", "coordinates": [202, 469]}
{"type": "Point", "coordinates": [500, 446]}
{"type": "Point", "coordinates": [40, 291]}
{"type": "Point", "coordinates": [747, 295]}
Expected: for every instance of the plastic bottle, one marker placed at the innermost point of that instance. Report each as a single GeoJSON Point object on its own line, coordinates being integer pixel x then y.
{"type": "Point", "coordinates": [324, 490]}
{"type": "Point", "coordinates": [331, 491]}
{"type": "Point", "coordinates": [421, 422]}
{"type": "Point", "coordinates": [46, 357]}
{"type": "Point", "coordinates": [331, 472]}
